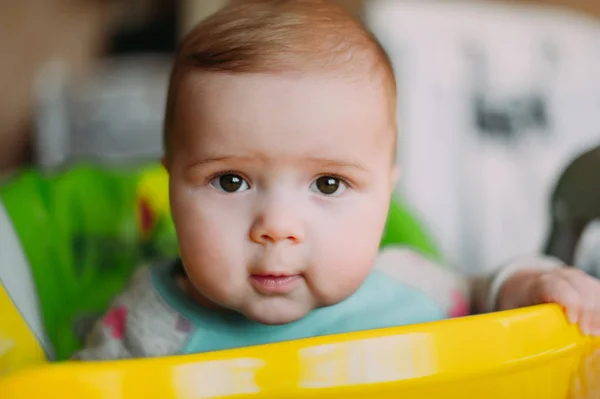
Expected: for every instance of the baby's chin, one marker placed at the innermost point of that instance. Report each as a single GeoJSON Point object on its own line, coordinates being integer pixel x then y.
{"type": "Point", "coordinates": [276, 311]}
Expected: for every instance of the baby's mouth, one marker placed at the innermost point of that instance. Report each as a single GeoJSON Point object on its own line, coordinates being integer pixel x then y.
{"type": "Point", "coordinates": [275, 284]}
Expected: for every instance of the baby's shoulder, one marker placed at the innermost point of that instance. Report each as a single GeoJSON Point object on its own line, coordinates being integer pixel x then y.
{"type": "Point", "coordinates": [154, 328]}
{"type": "Point", "coordinates": [139, 323]}
{"type": "Point", "coordinates": [447, 286]}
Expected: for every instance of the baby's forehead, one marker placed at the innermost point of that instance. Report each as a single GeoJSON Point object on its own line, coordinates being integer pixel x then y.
{"type": "Point", "coordinates": [297, 114]}
{"type": "Point", "coordinates": [202, 83]}
{"type": "Point", "coordinates": [322, 93]}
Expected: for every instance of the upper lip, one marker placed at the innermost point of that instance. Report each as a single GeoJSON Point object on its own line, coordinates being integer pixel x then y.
{"type": "Point", "coordinates": [274, 274]}
{"type": "Point", "coordinates": [272, 269]}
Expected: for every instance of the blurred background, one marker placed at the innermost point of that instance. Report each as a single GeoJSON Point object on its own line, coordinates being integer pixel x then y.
{"type": "Point", "coordinates": [496, 98]}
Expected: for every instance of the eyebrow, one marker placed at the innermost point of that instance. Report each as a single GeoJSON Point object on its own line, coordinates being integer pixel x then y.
{"type": "Point", "coordinates": [338, 164]}
{"type": "Point", "coordinates": [320, 161]}
{"type": "Point", "coordinates": [216, 159]}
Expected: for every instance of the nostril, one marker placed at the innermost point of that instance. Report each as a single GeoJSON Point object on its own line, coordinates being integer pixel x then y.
{"type": "Point", "coordinates": [266, 237]}
{"type": "Point", "coordinates": [271, 238]}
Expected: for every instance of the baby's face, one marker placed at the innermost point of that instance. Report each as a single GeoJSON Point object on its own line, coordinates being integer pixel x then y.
{"type": "Point", "coordinates": [279, 188]}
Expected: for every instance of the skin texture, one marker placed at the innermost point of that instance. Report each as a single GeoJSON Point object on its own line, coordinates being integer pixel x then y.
{"type": "Point", "coordinates": [280, 134]}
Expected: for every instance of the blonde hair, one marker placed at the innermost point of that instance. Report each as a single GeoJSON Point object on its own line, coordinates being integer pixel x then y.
{"type": "Point", "coordinates": [278, 36]}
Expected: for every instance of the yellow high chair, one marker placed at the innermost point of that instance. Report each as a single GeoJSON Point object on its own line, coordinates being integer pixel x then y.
{"type": "Point", "coordinates": [19, 347]}
{"type": "Point", "coordinates": [526, 353]}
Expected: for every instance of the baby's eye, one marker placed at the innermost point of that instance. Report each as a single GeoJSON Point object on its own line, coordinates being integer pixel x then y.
{"type": "Point", "coordinates": [230, 183]}
{"type": "Point", "coordinates": [329, 185]}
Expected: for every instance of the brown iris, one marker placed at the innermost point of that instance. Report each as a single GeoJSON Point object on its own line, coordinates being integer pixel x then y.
{"type": "Point", "coordinates": [231, 183]}
{"type": "Point", "coordinates": [328, 185]}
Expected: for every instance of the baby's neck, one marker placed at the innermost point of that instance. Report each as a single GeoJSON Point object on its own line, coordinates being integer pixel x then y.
{"type": "Point", "coordinates": [191, 292]}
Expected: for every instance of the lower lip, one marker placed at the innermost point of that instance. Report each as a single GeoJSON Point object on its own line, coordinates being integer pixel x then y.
{"type": "Point", "coordinates": [272, 285]}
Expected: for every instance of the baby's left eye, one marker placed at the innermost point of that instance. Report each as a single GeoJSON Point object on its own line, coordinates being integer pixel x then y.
{"type": "Point", "coordinates": [230, 183]}
{"type": "Point", "coordinates": [329, 185]}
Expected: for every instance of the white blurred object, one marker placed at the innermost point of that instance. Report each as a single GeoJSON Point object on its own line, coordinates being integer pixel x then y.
{"type": "Point", "coordinates": [113, 116]}
{"type": "Point", "coordinates": [494, 101]}
{"type": "Point", "coordinates": [587, 256]}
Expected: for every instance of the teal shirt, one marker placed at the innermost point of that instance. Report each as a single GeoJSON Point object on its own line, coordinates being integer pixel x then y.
{"type": "Point", "coordinates": [382, 301]}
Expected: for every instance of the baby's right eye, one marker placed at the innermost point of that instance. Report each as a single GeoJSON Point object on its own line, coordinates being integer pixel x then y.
{"type": "Point", "coordinates": [230, 183]}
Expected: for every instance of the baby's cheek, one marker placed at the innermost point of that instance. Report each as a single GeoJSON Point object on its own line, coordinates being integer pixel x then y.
{"type": "Point", "coordinates": [334, 280]}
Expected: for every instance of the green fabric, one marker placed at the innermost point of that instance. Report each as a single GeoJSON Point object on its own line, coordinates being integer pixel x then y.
{"type": "Point", "coordinates": [79, 230]}
{"type": "Point", "coordinates": [404, 228]}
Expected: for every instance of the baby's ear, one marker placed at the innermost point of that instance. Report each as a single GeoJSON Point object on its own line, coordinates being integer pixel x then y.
{"type": "Point", "coordinates": [165, 163]}
{"type": "Point", "coordinates": [394, 176]}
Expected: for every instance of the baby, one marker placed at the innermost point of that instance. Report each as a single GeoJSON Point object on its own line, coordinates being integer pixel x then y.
{"type": "Point", "coordinates": [279, 136]}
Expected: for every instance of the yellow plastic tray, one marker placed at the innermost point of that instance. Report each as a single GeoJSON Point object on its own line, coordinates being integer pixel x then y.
{"type": "Point", "coordinates": [526, 353]}
{"type": "Point", "coordinates": [18, 345]}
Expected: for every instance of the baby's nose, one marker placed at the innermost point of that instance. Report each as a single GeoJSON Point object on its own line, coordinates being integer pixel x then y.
{"type": "Point", "coordinates": [277, 224]}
